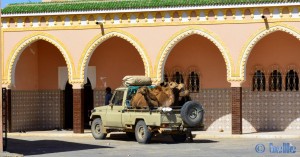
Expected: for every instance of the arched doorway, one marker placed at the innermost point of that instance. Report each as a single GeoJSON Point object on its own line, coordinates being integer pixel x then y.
{"type": "Point", "coordinates": [198, 63]}
{"type": "Point", "coordinates": [114, 59]}
{"type": "Point", "coordinates": [270, 103]}
{"type": "Point", "coordinates": [36, 97]}
{"type": "Point", "coordinates": [68, 107]}
{"type": "Point", "coordinates": [88, 105]}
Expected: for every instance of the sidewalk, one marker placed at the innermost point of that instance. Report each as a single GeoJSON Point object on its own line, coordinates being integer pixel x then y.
{"type": "Point", "coordinates": [271, 135]}
{"type": "Point", "coordinates": [7, 154]}
{"type": "Point", "coordinates": [197, 134]}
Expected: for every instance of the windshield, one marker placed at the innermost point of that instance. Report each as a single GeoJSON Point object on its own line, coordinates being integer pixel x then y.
{"type": "Point", "coordinates": [118, 98]}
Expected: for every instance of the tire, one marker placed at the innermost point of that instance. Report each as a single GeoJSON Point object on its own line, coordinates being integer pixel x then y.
{"type": "Point", "coordinates": [131, 135]}
{"type": "Point", "coordinates": [142, 133]}
{"type": "Point", "coordinates": [96, 129]}
{"type": "Point", "coordinates": [192, 113]}
{"type": "Point", "coordinates": [179, 138]}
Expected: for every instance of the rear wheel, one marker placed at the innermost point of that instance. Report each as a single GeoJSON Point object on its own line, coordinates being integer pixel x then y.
{"type": "Point", "coordinates": [179, 138]}
{"type": "Point", "coordinates": [96, 128]}
{"type": "Point", "coordinates": [142, 133]}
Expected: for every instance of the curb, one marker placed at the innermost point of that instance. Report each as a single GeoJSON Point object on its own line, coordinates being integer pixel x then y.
{"type": "Point", "coordinates": [48, 135]}
{"type": "Point", "coordinates": [196, 135]}
{"type": "Point", "coordinates": [248, 136]}
{"type": "Point", "coordinates": [7, 154]}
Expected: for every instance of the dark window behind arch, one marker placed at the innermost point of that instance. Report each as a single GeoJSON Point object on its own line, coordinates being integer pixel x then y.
{"type": "Point", "coordinates": [275, 81]}
{"type": "Point", "coordinates": [259, 81]}
{"type": "Point", "coordinates": [193, 82]}
{"type": "Point", "coordinates": [292, 81]}
{"type": "Point", "coordinates": [166, 79]}
{"type": "Point", "coordinates": [178, 77]}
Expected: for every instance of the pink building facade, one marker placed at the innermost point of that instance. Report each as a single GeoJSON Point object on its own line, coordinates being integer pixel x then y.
{"type": "Point", "coordinates": [245, 57]}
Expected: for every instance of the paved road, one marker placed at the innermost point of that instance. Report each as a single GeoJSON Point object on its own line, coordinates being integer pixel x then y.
{"type": "Point", "coordinates": [120, 145]}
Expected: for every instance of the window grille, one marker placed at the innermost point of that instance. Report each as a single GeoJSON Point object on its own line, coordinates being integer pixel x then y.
{"type": "Point", "coordinates": [166, 79]}
{"type": "Point", "coordinates": [177, 75]}
{"type": "Point", "coordinates": [292, 81]}
{"type": "Point", "coordinates": [193, 82]}
{"type": "Point", "coordinates": [275, 81]}
{"type": "Point", "coordinates": [259, 81]}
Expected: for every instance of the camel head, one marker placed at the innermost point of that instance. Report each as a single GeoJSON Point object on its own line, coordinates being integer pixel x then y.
{"type": "Point", "coordinates": [180, 86]}
{"type": "Point", "coordinates": [143, 90]}
{"type": "Point", "coordinates": [172, 85]}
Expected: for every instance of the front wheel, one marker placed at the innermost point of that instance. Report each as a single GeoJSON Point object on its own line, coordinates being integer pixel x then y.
{"type": "Point", "coordinates": [97, 130]}
{"type": "Point", "coordinates": [142, 133]}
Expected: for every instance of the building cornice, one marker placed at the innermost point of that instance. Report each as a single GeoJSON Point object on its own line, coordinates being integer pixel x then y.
{"type": "Point", "coordinates": [156, 9]}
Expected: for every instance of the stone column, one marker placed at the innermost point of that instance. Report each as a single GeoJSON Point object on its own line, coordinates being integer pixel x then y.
{"type": "Point", "coordinates": [6, 103]}
{"type": "Point", "coordinates": [1, 64]}
{"type": "Point", "coordinates": [78, 100]}
{"type": "Point", "coordinates": [236, 107]}
{"type": "Point", "coordinates": [8, 109]}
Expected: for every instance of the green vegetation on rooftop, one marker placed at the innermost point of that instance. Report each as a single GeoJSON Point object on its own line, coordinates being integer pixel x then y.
{"type": "Point", "coordinates": [94, 5]}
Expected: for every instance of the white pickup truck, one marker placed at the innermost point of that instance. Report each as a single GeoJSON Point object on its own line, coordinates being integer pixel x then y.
{"type": "Point", "coordinates": [141, 124]}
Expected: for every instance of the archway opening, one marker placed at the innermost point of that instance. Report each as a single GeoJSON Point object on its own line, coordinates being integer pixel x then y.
{"type": "Point", "coordinates": [68, 107]}
{"type": "Point", "coordinates": [270, 99]}
{"type": "Point", "coordinates": [113, 59]}
{"type": "Point", "coordinates": [36, 97]}
{"type": "Point", "coordinates": [88, 103]}
{"type": "Point", "coordinates": [198, 63]}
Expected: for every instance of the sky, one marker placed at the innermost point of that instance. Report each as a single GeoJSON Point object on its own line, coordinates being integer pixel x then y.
{"type": "Point", "coordinates": [5, 2]}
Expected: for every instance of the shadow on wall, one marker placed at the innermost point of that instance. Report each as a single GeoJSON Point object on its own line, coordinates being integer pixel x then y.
{"type": "Point", "coordinates": [271, 111]}
{"type": "Point", "coordinates": [46, 147]}
{"type": "Point", "coordinates": [217, 107]}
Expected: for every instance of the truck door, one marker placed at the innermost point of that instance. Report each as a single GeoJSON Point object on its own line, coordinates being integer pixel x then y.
{"type": "Point", "coordinates": [114, 112]}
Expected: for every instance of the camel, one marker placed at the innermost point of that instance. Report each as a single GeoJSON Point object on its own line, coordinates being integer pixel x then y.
{"type": "Point", "coordinates": [144, 99]}
{"type": "Point", "coordinates": [160, 96]}
{"type": "Point", "coordinates": [181, 95]}
{"type": "Point", "coordinates": [177, 93]}
{"type": "Point", "coordinates": [164, 96]}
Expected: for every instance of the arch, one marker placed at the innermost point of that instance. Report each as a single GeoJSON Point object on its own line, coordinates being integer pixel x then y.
{"type": "Point", "coordinates": [16, 52]}
{"type": "Point", "coordinates": [179, 36]}
{"type": "Point", "coordinates": [98, 40]}
{"type": "Point", "coordinates": [254, 39]}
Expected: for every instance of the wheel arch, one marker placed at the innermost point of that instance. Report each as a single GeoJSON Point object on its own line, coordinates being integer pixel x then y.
{"type": "Point", "coordinates": [94, 117]}
{"type": "Point", "coordinates": [138, 119]}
